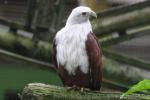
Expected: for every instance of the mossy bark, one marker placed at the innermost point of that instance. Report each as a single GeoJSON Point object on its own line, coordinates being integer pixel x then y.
{"type": "Point", "coordinates": [38, 91]}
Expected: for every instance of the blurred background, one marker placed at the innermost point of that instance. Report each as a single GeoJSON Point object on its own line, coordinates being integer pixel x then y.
{"type": "Point", "coordinates": [27, 28]}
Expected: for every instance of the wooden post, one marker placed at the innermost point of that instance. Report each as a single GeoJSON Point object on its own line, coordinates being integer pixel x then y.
{"type": "Point", "coordinates": [30, 14]}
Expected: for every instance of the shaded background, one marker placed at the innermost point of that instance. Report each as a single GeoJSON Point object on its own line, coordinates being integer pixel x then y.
{"type": "Point", "coordinates": [27, 28]}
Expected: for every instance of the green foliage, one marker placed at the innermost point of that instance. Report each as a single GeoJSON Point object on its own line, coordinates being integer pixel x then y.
{"type": "Point", "coordinates": [141, 86]}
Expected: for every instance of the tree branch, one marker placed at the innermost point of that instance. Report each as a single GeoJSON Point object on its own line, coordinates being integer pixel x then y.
{"type": "Point", "coordinates": [38, 91]}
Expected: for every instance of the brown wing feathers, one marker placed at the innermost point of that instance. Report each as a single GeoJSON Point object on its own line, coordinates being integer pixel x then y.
{"type": "Point", "coordinates": [95, 63]}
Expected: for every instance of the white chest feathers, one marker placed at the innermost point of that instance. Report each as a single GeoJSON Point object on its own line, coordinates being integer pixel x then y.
{"type": "Point", "coordinates": [71, 48]}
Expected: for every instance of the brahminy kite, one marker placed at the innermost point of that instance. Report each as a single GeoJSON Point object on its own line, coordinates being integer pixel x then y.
{"type": "Point", "coordinates": [76, 52]}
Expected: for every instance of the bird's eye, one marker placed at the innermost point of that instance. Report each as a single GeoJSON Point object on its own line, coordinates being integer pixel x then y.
{"type": "Point", "coordinates": [84, 13]}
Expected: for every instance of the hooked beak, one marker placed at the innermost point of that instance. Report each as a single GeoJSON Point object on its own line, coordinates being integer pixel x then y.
{"type": "Point", "coordinates": [93, 14]}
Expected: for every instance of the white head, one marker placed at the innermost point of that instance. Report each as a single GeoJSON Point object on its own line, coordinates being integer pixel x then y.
{"type": "Point", "coordinates": [80, 15]}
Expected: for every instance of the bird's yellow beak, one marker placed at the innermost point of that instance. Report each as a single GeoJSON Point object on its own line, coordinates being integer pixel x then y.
{"type": "Point", "coordinates": [93, 14]}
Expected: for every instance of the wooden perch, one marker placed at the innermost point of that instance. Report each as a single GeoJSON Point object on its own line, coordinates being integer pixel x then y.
{"type": "Point", "coordinates": [39, 91]}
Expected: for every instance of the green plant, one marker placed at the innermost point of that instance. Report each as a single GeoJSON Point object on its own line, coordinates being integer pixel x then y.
{"type": "Point", "coordinates": [141, 86]}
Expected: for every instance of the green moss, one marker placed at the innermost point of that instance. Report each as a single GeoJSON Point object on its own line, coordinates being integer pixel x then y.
{"type": "Point", "coordinates": [47, 92]}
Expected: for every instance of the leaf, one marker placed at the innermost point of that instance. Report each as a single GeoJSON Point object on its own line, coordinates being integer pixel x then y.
{"type": "Point", "coordinates": [142, 85]}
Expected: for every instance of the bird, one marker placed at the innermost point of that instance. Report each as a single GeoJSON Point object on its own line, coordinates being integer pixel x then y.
{"type": "Point", "coordinates": [77, 54]}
